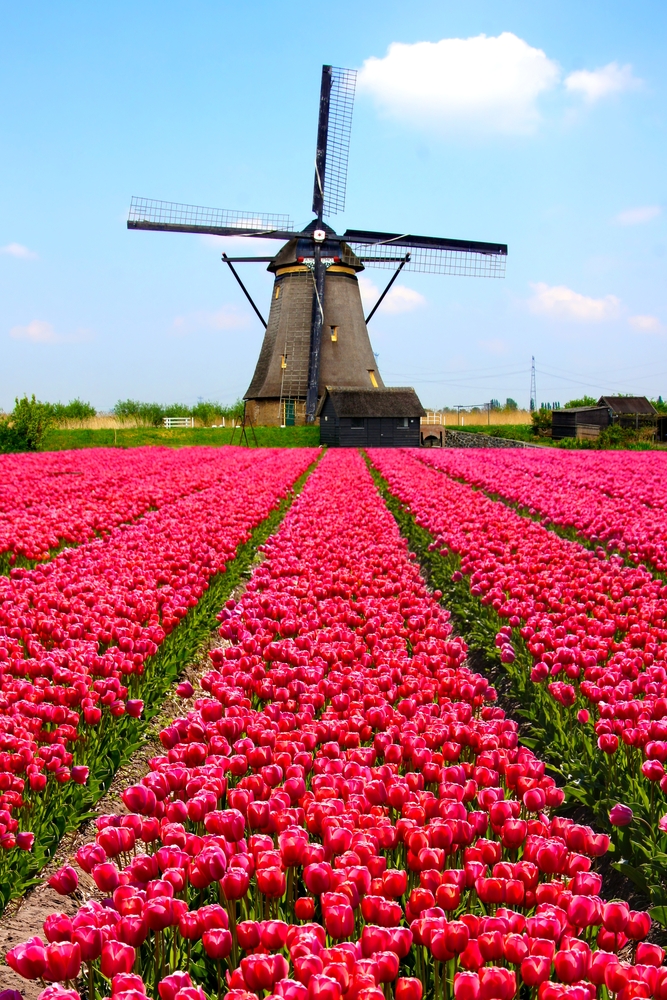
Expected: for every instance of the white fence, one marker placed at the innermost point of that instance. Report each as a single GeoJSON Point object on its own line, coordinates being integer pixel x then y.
{"type": "Point", "coordinates": [179, 421]}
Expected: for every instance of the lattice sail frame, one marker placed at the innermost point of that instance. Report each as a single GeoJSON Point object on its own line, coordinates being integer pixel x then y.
{"type": "Point", "coordinates": [432, 260]}
{"type": "Point", "coordinates": [168, 213]}
{"type": "Point", "coordinates": [341, 105]}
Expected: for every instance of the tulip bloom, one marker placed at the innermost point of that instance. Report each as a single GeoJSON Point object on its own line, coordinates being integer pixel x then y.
{"type": "Point", "coordinates": [116, 957]}
{"type": "Point", "coordinates": [29, 959]}
{"type": "Point", "coordinates": [63, 961]}
{"type": "Point", "coordinates": [65, 880]}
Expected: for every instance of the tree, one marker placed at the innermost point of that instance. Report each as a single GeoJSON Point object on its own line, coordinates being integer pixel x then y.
{"type": "Point", "coordinates": [584, 401]}
{"type": "Point", "coordinates": [511, 404]}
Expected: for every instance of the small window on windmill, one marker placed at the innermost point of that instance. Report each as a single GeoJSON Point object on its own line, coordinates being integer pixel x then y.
{"type": "Point", "coordinates": [403, 422]}
{"type": "Point", "coordinates": [357, 423]}
{"type": "Point", "coordinates": [334, 334]}
{"type": "Point", "coordinates": [277, 295]}
{"type": "Point", "coordinates": [374, 381]}
{"type": "Point", "coordinates": [283, 361]}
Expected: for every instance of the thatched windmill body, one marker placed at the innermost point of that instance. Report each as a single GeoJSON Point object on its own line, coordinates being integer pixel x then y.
{"type": "Point", "coordinates": [316, 335]}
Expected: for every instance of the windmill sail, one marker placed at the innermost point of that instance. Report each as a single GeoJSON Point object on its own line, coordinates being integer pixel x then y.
{"type": "Point", "coordinates": [429, 254]}
{"type": "Point", "coordinates": [333, 140]}
{"type": "Point", "coordinates": [167, 216]}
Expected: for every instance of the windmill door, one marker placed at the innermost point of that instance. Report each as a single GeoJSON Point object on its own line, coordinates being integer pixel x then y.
{"type": "Point", "coordinates": [290, 412]}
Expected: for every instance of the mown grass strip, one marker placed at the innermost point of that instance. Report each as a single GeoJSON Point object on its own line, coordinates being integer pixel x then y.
{"type": "Point", "coordinates": [59, 439]}
{"type": "Point", "coordinates": [116, 740]}
{"type": "Point", "coordinates": [589, 777]}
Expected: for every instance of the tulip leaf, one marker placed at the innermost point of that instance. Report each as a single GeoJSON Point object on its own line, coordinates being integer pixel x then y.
{"type": "Point", "coordinates": [634, 874]}
{"type": "Point", "coordinates": [659, 914]}
{"type": "Point", "coordinates": [572, 791]}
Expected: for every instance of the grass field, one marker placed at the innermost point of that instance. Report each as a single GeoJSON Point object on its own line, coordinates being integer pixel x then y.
{"type": "Point", "coordinates": [58, 439]}
{"type": "Point", "coordinates": [517, 432]}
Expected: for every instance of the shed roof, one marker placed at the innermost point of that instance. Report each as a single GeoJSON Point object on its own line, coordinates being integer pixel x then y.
{"type": "Point", "coordinates": [577, 409]}
{"type": "Point", "coordinates": [395, 402]}
{"type": "Point", "coordinates": [628, 405]}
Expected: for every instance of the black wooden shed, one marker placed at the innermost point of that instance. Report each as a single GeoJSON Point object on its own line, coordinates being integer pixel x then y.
{"type": "Point", "coordinates": [579, 421]}
{"type": "Point", "coordinates": [587, 421]}
{"type": "Point", "coordinates": [373, 418]}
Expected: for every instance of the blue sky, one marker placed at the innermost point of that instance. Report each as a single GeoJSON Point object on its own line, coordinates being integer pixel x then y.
{"type": "Point", "coordinates": [548, 133]}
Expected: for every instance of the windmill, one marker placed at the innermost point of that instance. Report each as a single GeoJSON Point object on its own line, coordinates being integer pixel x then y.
{"type": "Point", "coordinates": [316, 334]}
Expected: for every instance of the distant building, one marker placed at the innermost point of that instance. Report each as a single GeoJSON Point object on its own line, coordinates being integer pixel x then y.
{"type": "Point", "coordinates": [629, 411]}
{"type": "Point", "coordinates": [373, 418]}
{"type": "Point", "coordinates": [587, 421]}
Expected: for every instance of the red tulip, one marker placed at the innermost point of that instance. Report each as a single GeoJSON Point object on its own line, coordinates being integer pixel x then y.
{"type": "Point", "coordinates": [65, 880]}
{"type": "Point", "coordinates": [304, 908]}
{"type": "Point", "coordinates": [169, 987]}
{"type": "Point", "coordinates": [28, 959]}
{"type": "Point", "coordinates": [90, 941]}
{"type": "Point", "coordinates": [217, 943]}
{"type": "Point", "coordinates": [116, 957]}
{"type": "Point", "coordinates": [63, 961]}
{"type": "Point", "coordinates": [408, 989]}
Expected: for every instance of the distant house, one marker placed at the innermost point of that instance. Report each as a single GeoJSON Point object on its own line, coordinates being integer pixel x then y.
{"type": "Point", "coordinates": [588, 421]}
{"type": "Point", "coordinates": [373, 418]}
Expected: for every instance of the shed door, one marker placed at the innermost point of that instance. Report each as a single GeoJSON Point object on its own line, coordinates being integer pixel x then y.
{"type": "Point", "coordinates": [387, 432]}
{"type": "Point", "coordinates": [373, 429]}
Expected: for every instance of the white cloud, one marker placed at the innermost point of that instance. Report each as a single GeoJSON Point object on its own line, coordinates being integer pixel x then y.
{"type": "Point", "coordinates": [637, 216]}
{"type": "Point", "coordinates": [561, 302]}
{"type": "Point", "coordinates": [646, 324]}
{"type": "Point", "coordinates": [399, 298]}
{"type": "Point", "coordinates": [38, 332]}
{"type": "Point", "coordinates": [490, 81]}
{"type": "Point", "coordinates": [595, 84]}
{"type": "Point", "coordinates": [18, 250]}
{"type": "Point", "coordinates": [225, 318]}
{"type": "Point", "coordinates": [41, 332]}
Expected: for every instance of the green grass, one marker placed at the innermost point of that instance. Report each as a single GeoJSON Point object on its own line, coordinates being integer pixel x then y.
{"type": "Point", "coordinates": [516, 432]}
{"type": "Point", "coordinates": [58, 439]}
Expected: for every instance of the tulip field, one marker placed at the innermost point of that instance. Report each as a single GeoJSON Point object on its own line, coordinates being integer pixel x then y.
{"type": "Point", "coordinates": [582, 635]}
{"type": "Point", "coordinates": [66, 498]}
{"type": "Point", "coordinates": [344, 810]}
{"type": "Point", "coordinates": [619, 505]}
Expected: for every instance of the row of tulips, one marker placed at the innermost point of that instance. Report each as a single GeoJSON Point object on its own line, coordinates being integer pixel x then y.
{"type": "Point", "coordinates": [78, 635]}
{"type": "Point", "coordinates": [622, 508]}
{"type": "Point", "coordinates": [52, 499]}
{"type": "Point", "coordinates": [583, 636]}
{"type": "Point", "coordinates": [345, 814]}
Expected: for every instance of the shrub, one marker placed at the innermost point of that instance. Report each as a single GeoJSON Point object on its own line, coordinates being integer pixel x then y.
{"type": "Point", "coordinates": [151, 414]}
{"type": "Point", "coordinates": [76, 409]}
{"type": "Point", "coordinates": [24, 428]}
{"type": "Point", "coordinates": [541, 422]}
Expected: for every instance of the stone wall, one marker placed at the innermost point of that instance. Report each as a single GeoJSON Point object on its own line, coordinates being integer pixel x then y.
{"type": "Point", "coordinates": [462, 439]}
